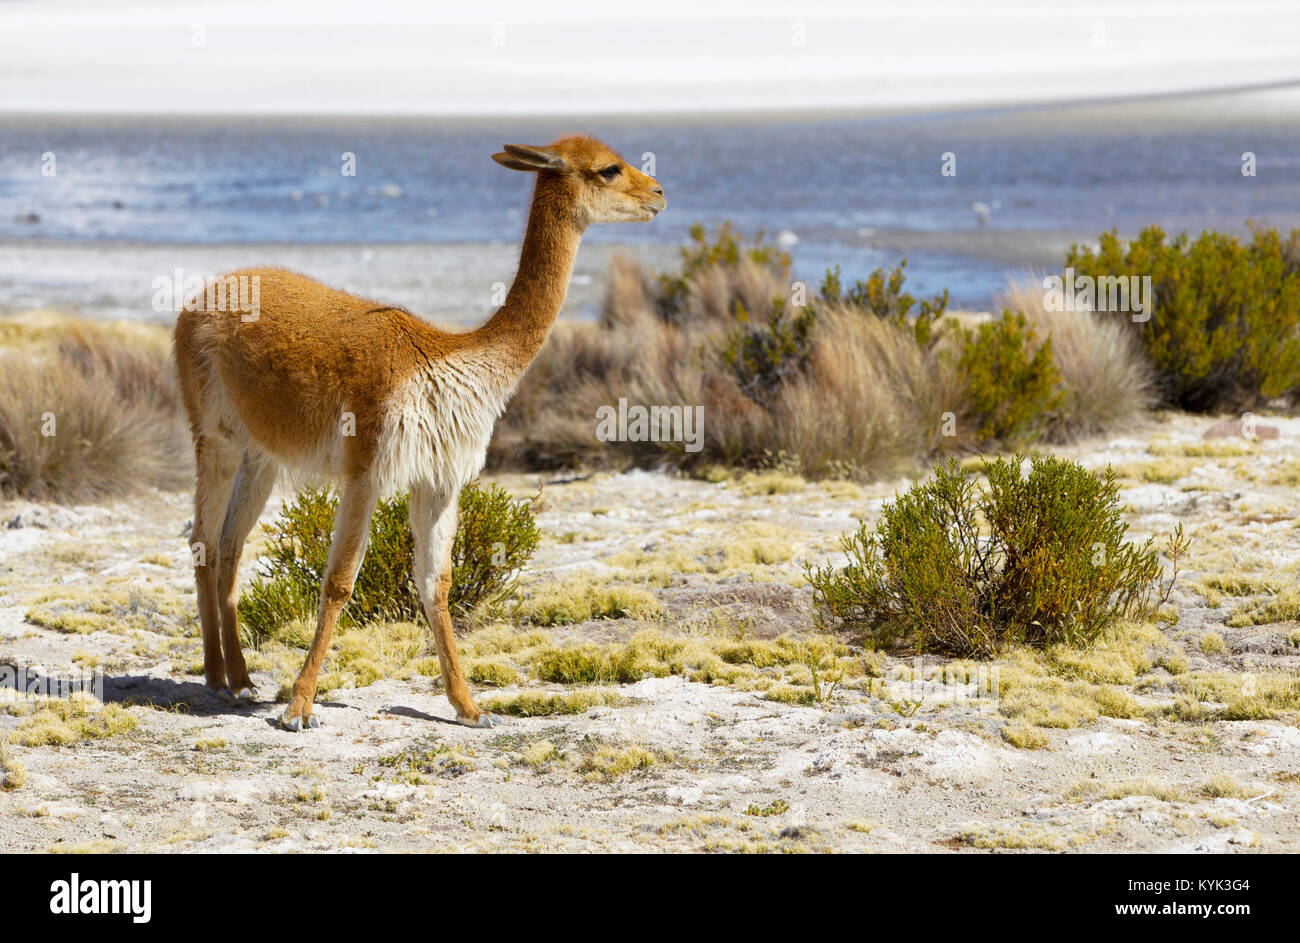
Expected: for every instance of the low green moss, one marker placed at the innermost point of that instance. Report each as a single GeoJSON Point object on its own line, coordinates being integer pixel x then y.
{"type": "Point", "coordinates": [1024, 737]}
{"type": "Point", "coordinates": [1284, 607]}
{"type": "Point", "coordinates": [493, 673]}
{"type": "Point", "coordinates": [610, 762]}
{"type": "Point", "coordinates": [1212, 644]}
{"type": "Point", "coordinates": [546, 704]}
{"type": "Point", "coordinates": [582, 600]}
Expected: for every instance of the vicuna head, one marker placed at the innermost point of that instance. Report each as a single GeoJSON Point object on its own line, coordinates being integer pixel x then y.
{"type": "Point", "coordinates": [600, 185]}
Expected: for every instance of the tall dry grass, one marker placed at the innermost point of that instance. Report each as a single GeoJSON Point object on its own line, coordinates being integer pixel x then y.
{"type": "Point", "coordinates": [1104, 375]}
{"type": "Point", "coordinates": [861, 389]}
{"type": "Point", "coordinates": [87, 411]}
{"type": "Point", "coordinates": [867, 401]}
{"type": "Point", "coordinates": [871, 402]}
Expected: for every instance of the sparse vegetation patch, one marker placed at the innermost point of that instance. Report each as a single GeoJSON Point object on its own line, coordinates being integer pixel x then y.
{"type": "Point", "coordinates": [496, 536]}
{"type": "Point", "coordinates": [1035, 559]}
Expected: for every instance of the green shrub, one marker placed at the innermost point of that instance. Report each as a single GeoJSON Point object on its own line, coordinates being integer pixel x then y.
{"type": "Point", "coordinates": [270, 605]}
{"type": "Point", "coordinates": [764, 340]}
{"type": "Point", "coordinates": [763, 352]}
{"type": "Point", "coordinates": [882, 295]}
{"type": "Point", "coordinates": [1224, 328]}
{"type": "Point", "coordinates": [1011, 381]}
{"type": "Point", "coordinates": [1038, 559]}
{"type": "Point", "coordinates": [495, 538]}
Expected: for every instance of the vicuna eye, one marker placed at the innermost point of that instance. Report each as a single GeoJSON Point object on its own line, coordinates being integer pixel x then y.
{"type": "Point", "coordinates": [610, 172]}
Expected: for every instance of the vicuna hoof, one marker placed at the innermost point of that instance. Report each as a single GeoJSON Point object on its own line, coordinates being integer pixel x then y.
{"type": "Point", "coordinates": [295, 724]}
{"type": "Point", "coordinates": [483, 720]}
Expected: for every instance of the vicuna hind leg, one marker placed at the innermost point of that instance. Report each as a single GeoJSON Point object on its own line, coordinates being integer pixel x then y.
{"type": "Point", "coordinates": [433, 525]}
{"type": "Point", "coordinates": [347, 549]}
{"type": "Point", "coordinates": [253, 483]}
{"type": "Point", "coordinates": [215, 462]}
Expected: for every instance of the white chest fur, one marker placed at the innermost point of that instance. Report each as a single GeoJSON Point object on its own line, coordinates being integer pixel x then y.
{"type": "Point", "coordinates": [438, 426]}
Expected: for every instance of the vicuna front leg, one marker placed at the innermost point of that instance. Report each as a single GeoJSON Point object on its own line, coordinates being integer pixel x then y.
{"type": "Point", "coordinates": [348, 547]}
{"type": "Point", "coordinates": [433, 525]}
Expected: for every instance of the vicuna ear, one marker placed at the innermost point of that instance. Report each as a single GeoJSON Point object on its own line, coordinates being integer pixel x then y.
{"type": "Point", "coordinates": [523, 157]}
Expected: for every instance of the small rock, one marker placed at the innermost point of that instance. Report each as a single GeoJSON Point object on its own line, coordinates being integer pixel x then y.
{"type": "Point", "coordinates": [684, 795]}
{"type": "Point", "coordinates": [1100, 742]}
{"type": "Point", "coordinates": [1238, 428]}
{"type": "Point", "coordinates": [46, 518]}
{"type": "Point", "coordinates": [239, 791]}
{"type": "Point", "coordinates": [62, 811]}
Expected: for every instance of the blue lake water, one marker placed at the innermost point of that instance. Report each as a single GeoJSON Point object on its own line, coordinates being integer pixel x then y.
{"type": "Point", "coordinates": [855, 191]}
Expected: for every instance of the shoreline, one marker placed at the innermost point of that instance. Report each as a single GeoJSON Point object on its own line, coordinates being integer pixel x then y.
{"type": "Point", "coordinates": [447, 283]}
{"type": "Point", "coordinates": [815, 113]}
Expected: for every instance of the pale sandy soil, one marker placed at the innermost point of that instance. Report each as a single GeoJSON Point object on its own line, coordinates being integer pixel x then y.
{"type": "Point", "coordinates": [388, 771]}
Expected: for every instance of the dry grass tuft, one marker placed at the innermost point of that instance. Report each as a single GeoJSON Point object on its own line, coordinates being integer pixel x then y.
{"type": "Point", "coordinates": [1016, 838]}
{"type": "Point", "coordinates": [1023, 736]}
{"type": "Point", "coordinates": [1283, 607]}
{"type": "Point", "coordinates": [1222, 786]}
{"type": "Point", "coordinates": [13, 774]}
{"type": "Point", "coordinates": [1100, 790]}
{"type": "Point", "coordinates": [87, 412]}
{"type": "Point", "coordinates": [67, 721]}
{"type": "Point", "coordinates": [1212, 644]}
{"type": "Point", "coordinates": [609, 762]}
{"type": "Point", "coordinates": [1103, 372]}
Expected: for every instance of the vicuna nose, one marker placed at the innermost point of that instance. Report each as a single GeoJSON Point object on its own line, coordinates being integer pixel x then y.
{"type": "Point", "coordinates": [657, 191]}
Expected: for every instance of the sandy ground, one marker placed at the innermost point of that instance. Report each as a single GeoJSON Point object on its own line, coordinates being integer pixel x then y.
{"type": "Point", "coordinates": [720, 768]}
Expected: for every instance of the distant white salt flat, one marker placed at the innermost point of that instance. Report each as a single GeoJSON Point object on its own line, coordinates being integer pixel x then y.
{"type": "Point", "coordinates": [524, 57]}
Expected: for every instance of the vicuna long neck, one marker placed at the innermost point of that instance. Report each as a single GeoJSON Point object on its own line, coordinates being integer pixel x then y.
{"type": "Point", "coordinates": [515, 334]}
